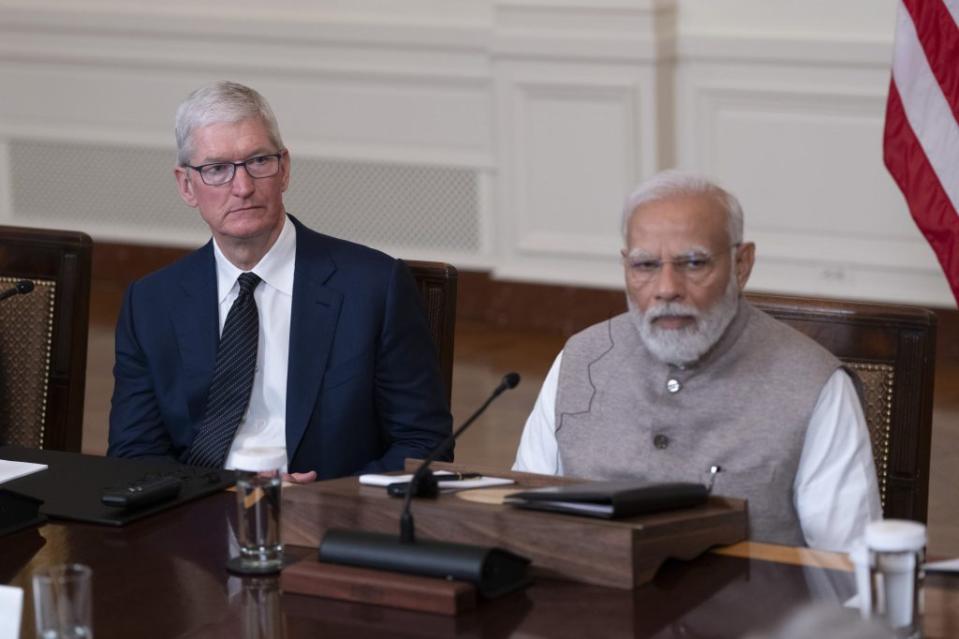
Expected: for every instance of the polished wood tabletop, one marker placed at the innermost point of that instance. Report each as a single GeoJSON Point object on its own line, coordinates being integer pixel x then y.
{"type": "Point", "coordinates": [164, 577]}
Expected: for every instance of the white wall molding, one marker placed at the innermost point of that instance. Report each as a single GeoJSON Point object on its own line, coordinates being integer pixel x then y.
{"type": "Point", "coordinates": [571, 271]}
{"type": "Point", "coordinates": [812, 49]}
{"type": "Point", "coordinates": [425, 56]}
{"type": "Point", "coordinates": [900, 286]}
{"type": "Point", "coordinates": [585, 31]}
{"type": "Point", "coordinates": [279, 22]}
{"type": "Point", "coordinates": [12, 128]}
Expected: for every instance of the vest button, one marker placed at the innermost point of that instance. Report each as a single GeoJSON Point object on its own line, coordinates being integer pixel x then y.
{"type": "Point", "coordinates": [661, 442]}
{"type": "Point", "coordinates": [673, 386]}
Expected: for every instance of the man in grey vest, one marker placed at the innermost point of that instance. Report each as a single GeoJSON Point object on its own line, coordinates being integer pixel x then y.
{"type": "Point", "coordinates": [693, 377]}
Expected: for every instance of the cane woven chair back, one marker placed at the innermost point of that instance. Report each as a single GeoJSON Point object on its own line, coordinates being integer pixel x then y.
{"type": "Point", "coordinates": [891, 351]}
{"type": "Point", "coordinates": [43, 337]}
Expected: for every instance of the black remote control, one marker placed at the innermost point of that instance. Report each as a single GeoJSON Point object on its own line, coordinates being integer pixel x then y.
{"type": "Point", "coordinates": [143, 492]}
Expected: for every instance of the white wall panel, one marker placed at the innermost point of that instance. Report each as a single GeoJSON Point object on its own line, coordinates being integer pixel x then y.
{"type": "Point", "coordinates": [565, 135]}
{"type": "Point", "coordinates": [759, 153]}
{"type": "Point", "coordinates": [6, 199]}
{"type": "Point", "coordinates": [388, 123]}
{"type": "Point", "coordinates": [387, 120]}
{"type": "Point", "coordinates": [581, 100]}
{"type": "Point", "coordinates": [575, 139]}
{"type": "Point", "coordinates": [88, 103]}
{"type": "Point", "coordinates": [801, 146]}
{"type": "Point", "coordinates": [506, 131]}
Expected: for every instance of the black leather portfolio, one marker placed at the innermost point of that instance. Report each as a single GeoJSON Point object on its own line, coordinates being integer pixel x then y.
{"type": "Point", "coordinates": [612, 499]}
{"type": "Point", "coordinates": [18, 512]}
{"type": "Point", "coordinates": [73, 484]}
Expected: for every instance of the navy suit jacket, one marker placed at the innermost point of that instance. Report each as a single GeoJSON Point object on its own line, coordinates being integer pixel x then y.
{"type": "Point", "coordinates": [363, 384]}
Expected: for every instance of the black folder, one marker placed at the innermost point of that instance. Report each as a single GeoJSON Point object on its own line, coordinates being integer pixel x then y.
{"type": "Point", "coordinates": [71, 486]}
{"type": "Point", "coordinates": [612, 499]}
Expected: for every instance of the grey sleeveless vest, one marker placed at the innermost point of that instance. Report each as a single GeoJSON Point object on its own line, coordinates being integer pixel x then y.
{"type": "Point", "coordinates": [745, 406]}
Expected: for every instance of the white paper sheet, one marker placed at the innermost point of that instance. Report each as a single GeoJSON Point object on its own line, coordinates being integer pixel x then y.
{"type": "Point", "coordinates": [11, 610]}
{"type": "Point", "coordinates": [445, 486]}
{"type": "Point", "coordinates": [10, 470]}
{"type": "Point", "coordinates": [948, 565]}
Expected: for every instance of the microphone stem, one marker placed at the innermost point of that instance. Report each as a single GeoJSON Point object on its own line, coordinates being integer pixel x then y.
{"type": "Point", "coordinates": [407, 529]}
{"type": "Point", "coordinates": [452, 437]}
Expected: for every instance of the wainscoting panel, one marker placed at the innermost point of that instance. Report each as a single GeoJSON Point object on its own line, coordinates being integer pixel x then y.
{"type": "Point", "coordinates": [584, 100]}
{"type": "Point", "coordinates": [555, 149]}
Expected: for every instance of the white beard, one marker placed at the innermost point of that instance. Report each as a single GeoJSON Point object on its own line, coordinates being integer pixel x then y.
{"type": "Point", "coordinates": [682, 346]}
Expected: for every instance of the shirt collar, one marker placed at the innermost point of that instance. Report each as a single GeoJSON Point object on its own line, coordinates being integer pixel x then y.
{"type": "Point", "coordinates": [275, 268]}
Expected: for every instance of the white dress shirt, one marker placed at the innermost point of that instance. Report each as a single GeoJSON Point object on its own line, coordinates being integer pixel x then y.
{"type": "Point", "coordinates": [265, 421]}
{"type": "Point", "coordinates": [836, 491]}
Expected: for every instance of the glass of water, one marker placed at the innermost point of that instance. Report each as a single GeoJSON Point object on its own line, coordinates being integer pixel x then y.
{"type": "Point", "coordinates": [890, 576]}
{"type": "Point", "coordinates": [258, 484]}
{"type": "Point", "coordinates": [62, 601]}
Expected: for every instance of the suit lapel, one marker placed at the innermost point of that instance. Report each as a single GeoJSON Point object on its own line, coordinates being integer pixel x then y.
{"type": "Point", "coordinates": [315, 312]}
{"type": "Point", "coordinates": [196, 324]}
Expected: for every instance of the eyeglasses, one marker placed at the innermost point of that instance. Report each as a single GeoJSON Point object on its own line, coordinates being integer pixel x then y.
{"type": "Point", "coordinates": [695, 266]}
{"type": "Point", "coordinates": [219, 173]}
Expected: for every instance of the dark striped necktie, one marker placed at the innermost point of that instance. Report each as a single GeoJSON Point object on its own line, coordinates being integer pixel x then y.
{"type": "Point", "coordinates": [232, 379]}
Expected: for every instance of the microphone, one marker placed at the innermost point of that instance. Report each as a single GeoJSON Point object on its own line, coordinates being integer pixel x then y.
{"type": "Point", "coordinates": [494, 571]}
{"type": "Point", "coordinates": [20, 288]}
{"type": "Point", "coordinates": [423, 483]}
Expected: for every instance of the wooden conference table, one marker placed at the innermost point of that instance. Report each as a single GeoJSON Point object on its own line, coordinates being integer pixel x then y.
{"type": "Point", "coordinates": [164, 577]}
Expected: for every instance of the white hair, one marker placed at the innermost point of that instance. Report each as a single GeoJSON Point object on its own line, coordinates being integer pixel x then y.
{"type": "Point", "coordinates": [675, 183]}
{"type": "Point", "coordinates": [221, 102]}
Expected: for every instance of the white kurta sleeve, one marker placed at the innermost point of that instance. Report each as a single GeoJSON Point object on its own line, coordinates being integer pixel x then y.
{"type": "Point", "coordinates": [836, 490]}
{"type": "Point", "coordinates": [538, 451]}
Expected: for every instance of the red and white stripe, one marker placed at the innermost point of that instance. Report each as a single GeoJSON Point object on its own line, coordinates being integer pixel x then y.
{"type": "Point", "coordinates": [921, 142]}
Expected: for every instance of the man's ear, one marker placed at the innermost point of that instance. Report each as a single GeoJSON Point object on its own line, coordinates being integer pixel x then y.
{"type": "Point", "coordinates": [745, 258]}
{"type": "Point", "coordinates": [185, 185]}
{"type": "Point", "coordinates": [285, 168]}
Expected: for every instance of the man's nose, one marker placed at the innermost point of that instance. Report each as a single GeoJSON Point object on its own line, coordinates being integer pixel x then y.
{"type": "Point", "coordinates": [670, 283]}
{"type": "Point", "coordinates": [242, 182]}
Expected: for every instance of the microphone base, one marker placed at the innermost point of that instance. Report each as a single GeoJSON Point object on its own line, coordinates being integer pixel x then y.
{"type": "Point", "coordinates": [493, 571]}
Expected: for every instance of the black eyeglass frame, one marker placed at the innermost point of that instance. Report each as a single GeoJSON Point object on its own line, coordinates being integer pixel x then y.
{"type": "Point", "coordinates": [245, 164]}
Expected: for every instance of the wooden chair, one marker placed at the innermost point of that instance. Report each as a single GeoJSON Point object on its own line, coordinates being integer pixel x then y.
{"type": "Point", "coordinates": [43, 337]}
{"type": "Point", "coordinates": [892, 351]}
{"type": "Point", "coordinates": [437, 284]}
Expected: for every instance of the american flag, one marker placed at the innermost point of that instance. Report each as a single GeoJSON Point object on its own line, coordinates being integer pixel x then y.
{"type": "Point", "coordinates": [921, 140]}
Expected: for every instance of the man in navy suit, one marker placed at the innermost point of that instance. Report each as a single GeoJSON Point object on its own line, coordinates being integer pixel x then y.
{"type": "Point", "coordinates": [346, 376]}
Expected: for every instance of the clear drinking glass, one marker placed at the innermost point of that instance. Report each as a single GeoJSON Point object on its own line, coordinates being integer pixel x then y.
{"type": "Point", "coordinates": [62, 601]}
{"type": "Point", "coordinates": [890, 576]}
{"type": "Point", "coordinates": [258, 485]}
{"type": "Point", "coordinates": [262, 610]}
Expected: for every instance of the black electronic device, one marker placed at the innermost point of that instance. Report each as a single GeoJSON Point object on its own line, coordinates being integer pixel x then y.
{"type": "Point", "coordinates": [494, 571]}
{"type": "Point", "coordinates": [73, 484]}
{"type": "Point", "coordinates": [152, 489]}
